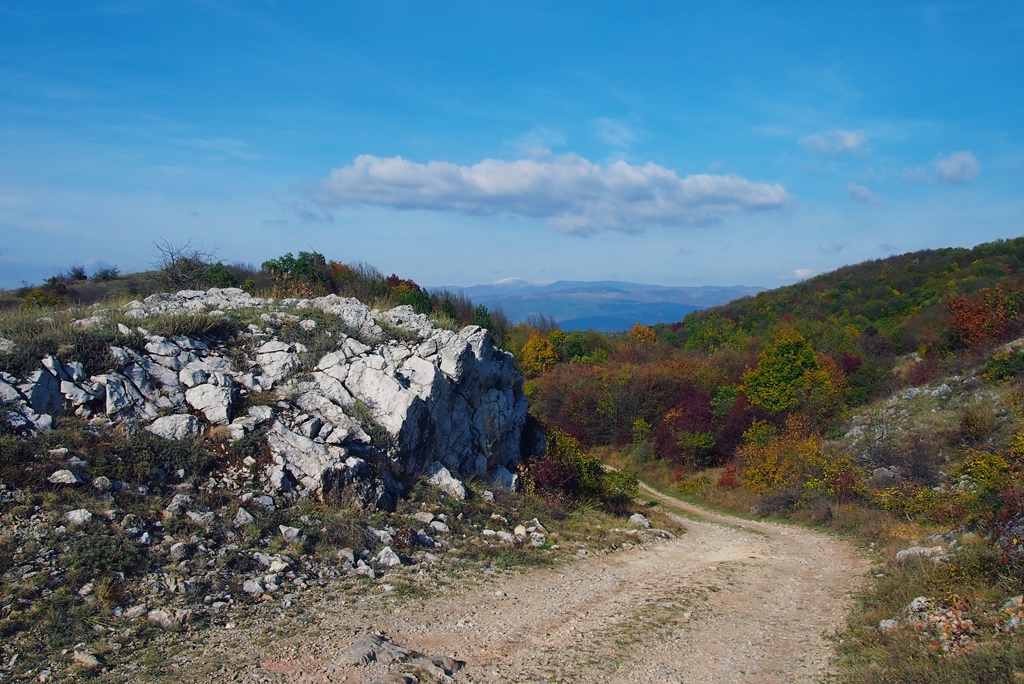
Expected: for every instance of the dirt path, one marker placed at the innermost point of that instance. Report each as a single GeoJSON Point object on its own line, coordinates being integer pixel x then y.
{"type": "Point", "coordinates": [729, 601]}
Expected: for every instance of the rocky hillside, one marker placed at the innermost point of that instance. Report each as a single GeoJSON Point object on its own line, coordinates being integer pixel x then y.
{"type": "Point", "coordinates": [392, 397]}
{"type": "Point", "coordinates": [212, 458]}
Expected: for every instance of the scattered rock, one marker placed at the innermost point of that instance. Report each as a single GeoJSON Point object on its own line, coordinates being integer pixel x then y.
{"type": "Point", "coordinates": [161, 618]}
{"type": "Point", "coordinates": [64, 477]}
{"type": "Point", "coordinates": [438, 476]}
{"type": "Point", "coordinates": [176, 427]}
{"type": "Point", "coordinates": [639, 520]}
{"type": "Point", "coordinates": [243, 518]}
{"type": "Point", "coordinates": [387, 558]}
{"type": "Point", "coordinates": [135, 612]}
{"type": "Point", "coordinates": [213, 401]}
{"type": "Point", "coordinates": [934, 552]}
{"type": "Point", "coordinates": [292, 535]}
{"type": "Point", "coordinates": [86, 661]}
{"type": "Point", "coordinates": [79, 516]}
{"type": "Point", "coordinates": [372, 649]}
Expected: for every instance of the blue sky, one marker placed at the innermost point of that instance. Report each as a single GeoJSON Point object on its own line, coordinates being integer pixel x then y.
{"type": "Point", "coordinates": [465, 142]}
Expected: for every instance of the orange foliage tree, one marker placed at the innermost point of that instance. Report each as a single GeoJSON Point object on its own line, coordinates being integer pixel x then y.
{"type": "Point", "coordinates": [990, 316]}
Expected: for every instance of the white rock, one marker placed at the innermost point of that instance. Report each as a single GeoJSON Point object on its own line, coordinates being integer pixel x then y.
{"type": "Point", "coordinates": [387, 558]}
{"type": "Point", "coordinates": [135, 612]}
{"type": "Point", "coordinates": [919, 552]}
{"type": "Point", "coordinates": [505, 479]}
{"type": "Point", "coordinates": [278, 360]}
{"type": "Point", "coordinates": [79, 516]}
{"type": "Point", "coordinates": [205, 519]}
{"type": "Point", "coordinates": [639, 520]}
{"type": "Point", "coordinates": [195, 373]}
{"type": "Point", "coordinates": [64, 477]}
{"type": "Point", "coordinates": [439, 476]}
{"type": "Point", "coordinates": [292, 534]}
{"type": "Point", "coordinates": [160, 618]}
{"type": "Point", "coordinates": [243, 518]}
{"type": "Point", "coordinates": [439, 526]}
{"type": "Point", "coordinates": [214, 402]}
{"type": "Point", "coordinates": [177, 427]}
{"type": "Point", "coordinates": [252, 587]}
{"type": "Point", "coordinates": [42, 390]}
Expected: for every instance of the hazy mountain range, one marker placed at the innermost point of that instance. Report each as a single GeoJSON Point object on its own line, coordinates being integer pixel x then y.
{"type": "Point", "coordinates": [605, 305]}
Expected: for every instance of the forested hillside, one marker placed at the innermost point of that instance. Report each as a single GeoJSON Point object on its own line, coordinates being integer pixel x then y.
{"type": "Point", "coordinates": [815, 348]}
{"type": "Point", "coordinates": [881, 400]}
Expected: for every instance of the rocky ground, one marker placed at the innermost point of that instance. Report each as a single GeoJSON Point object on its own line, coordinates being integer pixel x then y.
{"type": "Point", "coordinates": [729, 601]}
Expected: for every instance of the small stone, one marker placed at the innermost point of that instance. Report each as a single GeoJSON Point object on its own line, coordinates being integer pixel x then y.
{"type": "Point", "coordinates": [64, 477]}
{"type": "Point", "coordinates": [888, 626]}
{"type": "Point", "coordinates": [439, 476]}
{"type": "Point", "coordinates": [102, 483]}
{"type": "Point", "coordinates": [439, 526]}
{"type": "Point", "coordinates": [292, 535]}
{"type": "Point", "coordinates": [135, 612]}
{"type": "Point", "coordinates": [180, 551]}
{"type": "Point", "coordinates": [205, 519]}
{"type": "Point", "coordinates": [387, 557]}
{"type": "Point", "coordinates": [161, 618]}
{"type": "Point", "coordinates": [252, 587]}
{"type": "Point", "coordinates": [520, 530]}
{"type": "Point", "coordinates": [639, 520]}
{"type": "Point", "coordinates": [243, 518]}
{"type": "Point", "coordinates": [79, 516]}
{"type": "Point", "coordinates": [86, 660]}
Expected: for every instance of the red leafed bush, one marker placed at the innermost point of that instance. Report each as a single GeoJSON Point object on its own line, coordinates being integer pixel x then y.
{"type": "Point", "coordinates": [553, 477]}
{"type": "Point", "coordinates": [729, 478]}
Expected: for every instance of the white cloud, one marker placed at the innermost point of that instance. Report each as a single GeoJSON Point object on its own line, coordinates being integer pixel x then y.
{"type": "Point", "coordinates": [804, 273]}
{"type": "Point", "coordinates": [834, 248]}
{"type": "Point", "coordinates": [835, 142]}
{"type": "Point", "coordinates": [616, 133]}
{"type": "Point", "coordinates": [572, 194]}
{"type": "Point", "coordinates": [862, 194]}
{"type": "Point", "coordinates": [958, 168]}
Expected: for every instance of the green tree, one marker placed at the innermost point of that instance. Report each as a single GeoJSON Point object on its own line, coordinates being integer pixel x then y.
{"type": "Point", "coordinates": [482, 317]}
{"type": "Point", "coordinates": [784, 373]}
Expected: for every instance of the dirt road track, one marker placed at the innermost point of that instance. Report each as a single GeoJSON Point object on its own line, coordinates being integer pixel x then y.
{"type": "Point", "coordinates": [731, 600]}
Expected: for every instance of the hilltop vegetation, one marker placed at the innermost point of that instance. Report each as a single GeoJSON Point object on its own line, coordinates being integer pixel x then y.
{"type": "Point", "coordinates": [880, 400]}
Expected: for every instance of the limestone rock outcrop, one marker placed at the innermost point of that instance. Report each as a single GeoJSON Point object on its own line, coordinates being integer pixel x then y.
{"type": "Point", "coordinates": [392, 398]}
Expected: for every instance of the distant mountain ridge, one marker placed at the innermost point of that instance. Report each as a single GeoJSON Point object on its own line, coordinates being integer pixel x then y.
{"type": "Point", "coordinates": [604, 305]}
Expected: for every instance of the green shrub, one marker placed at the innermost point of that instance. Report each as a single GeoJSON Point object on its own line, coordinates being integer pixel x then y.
{"type": "Point", "coordinates": [98, 554]}
{"type": "Point", "coordinates": [217, 275]}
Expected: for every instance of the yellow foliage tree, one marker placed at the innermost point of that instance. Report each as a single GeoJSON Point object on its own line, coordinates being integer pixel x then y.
{"type": "Point", "coordinates": [643, 336]}
{"type": "Point", "coordinates": [772, 461]}
{"type": "Point", "coordinates": [538, 354]}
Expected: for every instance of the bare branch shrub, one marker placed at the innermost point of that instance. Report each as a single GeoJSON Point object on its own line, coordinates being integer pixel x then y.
{"type": "Point", "coordinates": [183, 266]}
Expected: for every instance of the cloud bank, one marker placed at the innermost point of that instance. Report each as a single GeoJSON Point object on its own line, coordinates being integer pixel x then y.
{"type": "Point", "coordinates": [572, 194]}
{"type": "Point", "coordinates": [835, 142]}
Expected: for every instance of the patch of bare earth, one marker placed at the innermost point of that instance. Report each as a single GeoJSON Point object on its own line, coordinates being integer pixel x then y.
{"type": "Point", "coordinates": [729, 601]}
